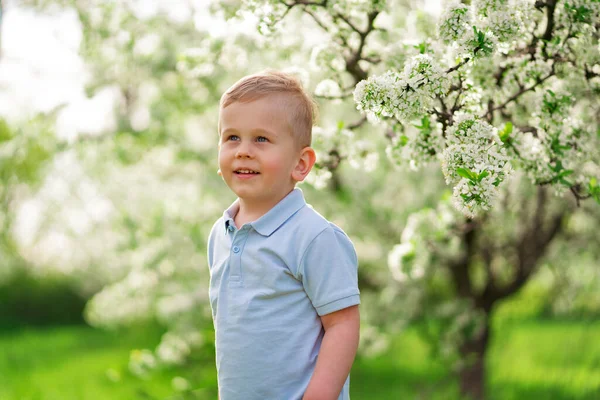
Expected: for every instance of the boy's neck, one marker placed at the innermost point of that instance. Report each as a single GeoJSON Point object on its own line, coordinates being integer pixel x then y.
{"type": "Point", "coordinates": [250, 211]}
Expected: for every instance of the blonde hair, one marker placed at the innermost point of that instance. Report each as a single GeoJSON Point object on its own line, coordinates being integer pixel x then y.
{"type": "Point", "coordinates": [302, 108]}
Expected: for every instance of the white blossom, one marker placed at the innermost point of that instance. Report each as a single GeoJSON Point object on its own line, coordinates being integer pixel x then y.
{"type": "Point", "coordinates": [555, 153]}
{"type": "Point", "coordinates": [428, 234]}
{"type": "Point", "coordinates": [455, 21]}
{"type": "Point", "coordinates": [329, 88]}
{"type": "Point", "coordinates": [406, 95]}
{"type": "Point", "coordinates": [476, 162]}
{"type": "Point", "coordinates": [141, 362]}
{"type": "Point", "coordinates": [319, 178]}
{"type": "Point", "coordinates": [173, 349]}
{"type": "Point", "coordinates": [363, 156]}
{"type": "Point", "coordinates": [417, 145]}
{"type": "Point", "coordinates": [503, 18]}
{"type": "Point", "coordinates": [397, 260]}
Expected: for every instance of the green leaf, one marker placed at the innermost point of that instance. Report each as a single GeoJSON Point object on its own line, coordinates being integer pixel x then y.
{"type": "Point", "coordinates": [425, 126]}
{"type": "Point", "coordinates": [422, 47]}
{"type": "Point", "coordinates": [506, 131]}
{"type": "Point", "coordinates": [594, 189]}
{"type": "Point", "coordinates": [482, 175]}
{"type": "Point", "coordinates": [565, 182]}
{"type": "Point", "coordinates": [565, 172]}
{"type": "Point", "coordinates": [557, 167]}
{"type": "Point", "coordinates": [465, 173]}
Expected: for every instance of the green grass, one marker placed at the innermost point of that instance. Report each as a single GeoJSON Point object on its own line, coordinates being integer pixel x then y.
{"type": "Point", "coordinates": [547, 360]}
{"type": "Point", "coordinates": [81, 363]}
{"type": "Point", "coordinates": [529, 359]}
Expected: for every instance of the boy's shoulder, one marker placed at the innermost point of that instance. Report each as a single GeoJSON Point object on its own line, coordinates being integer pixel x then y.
{"type": "Point", "coordinates": [308, 221]}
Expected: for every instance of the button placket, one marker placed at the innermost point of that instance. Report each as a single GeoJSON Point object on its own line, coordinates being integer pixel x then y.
{"type": "Point", "coordinates": [239, 238]}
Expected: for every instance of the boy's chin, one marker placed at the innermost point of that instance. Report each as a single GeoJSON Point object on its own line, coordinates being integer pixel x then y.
{"type": "Point", "coordinates": [249, 195]}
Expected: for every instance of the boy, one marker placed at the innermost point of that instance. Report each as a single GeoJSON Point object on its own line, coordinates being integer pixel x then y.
{"type": "Point", "coordinates": [283, 280]}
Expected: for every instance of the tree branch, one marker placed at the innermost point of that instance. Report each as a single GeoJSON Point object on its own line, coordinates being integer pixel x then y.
{"type": "Point", "coordinates": [519, 93]}
{"type": "Point", "coordinates": [357, 124]}
{"type": "Point", "coordinates": [317, 20]}
{"type": "Point", "coordinates": [532, 246]}
{"type": "Point", "coordinates": [550, 7]}
{"type": "Point", "coordinates": [460, 270]}
{"type": "Point", "coordinates": [352, 66]}
{"type": "Point", "coordinates": [457, 66]}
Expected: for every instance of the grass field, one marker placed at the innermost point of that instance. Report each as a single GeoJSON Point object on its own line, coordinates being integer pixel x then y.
{"type": "Point", "coordinates": [529, 359]}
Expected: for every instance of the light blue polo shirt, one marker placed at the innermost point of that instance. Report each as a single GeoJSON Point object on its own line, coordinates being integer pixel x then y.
{"type": "Point", "coordinates": [270, 280]}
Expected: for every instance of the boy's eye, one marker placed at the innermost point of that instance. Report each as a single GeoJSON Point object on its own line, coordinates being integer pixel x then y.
{"type": "Point", "coordinates": [233, 137]}
{"type": "Point", "coordinates": [262, 139]}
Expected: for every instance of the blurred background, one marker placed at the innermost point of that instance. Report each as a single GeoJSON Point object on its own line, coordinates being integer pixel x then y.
{"type": "Point", "coordinates": [108, 190]}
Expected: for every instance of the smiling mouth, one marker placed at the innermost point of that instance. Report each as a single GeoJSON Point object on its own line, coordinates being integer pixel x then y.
{"type": "Point", "coordinates": [245, 172]}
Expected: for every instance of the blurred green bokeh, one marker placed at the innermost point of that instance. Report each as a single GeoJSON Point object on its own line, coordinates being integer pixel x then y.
{"type": "Point", "coordinates": [114, 266]}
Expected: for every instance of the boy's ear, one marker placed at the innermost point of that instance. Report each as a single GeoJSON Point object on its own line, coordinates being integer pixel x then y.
{"type": "Point", "coordinates": [305, 164]}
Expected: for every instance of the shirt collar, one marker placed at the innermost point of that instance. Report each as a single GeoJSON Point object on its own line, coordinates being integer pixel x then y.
{"type": "Point", "coordinates": [274, 218]}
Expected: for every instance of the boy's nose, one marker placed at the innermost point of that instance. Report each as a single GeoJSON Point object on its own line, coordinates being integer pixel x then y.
{"type": "Point", "coordinates": [243, 151]}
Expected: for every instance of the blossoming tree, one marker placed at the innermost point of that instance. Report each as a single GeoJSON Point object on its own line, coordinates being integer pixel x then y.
{"type": "Point", "coordinates": [504, 94]}
{"type": "Point", "coordinates": [501, 95]}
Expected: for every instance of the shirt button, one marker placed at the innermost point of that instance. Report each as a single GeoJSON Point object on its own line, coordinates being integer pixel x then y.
{"type": "Point", "coordinates": [236, 249]}
{"type": "Point", "coordinates": [230, 228]}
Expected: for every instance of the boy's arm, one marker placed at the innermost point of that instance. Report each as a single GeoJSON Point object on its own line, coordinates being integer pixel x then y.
{"type": "Point", "coordinates": [336, 355]}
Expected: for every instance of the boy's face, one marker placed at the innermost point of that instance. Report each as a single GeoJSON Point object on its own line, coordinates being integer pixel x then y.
{"type": "Point", "coordinates": [257, 150]}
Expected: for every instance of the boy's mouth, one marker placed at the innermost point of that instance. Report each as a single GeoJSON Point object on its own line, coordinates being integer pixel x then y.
{"type": "Point", "coordinates": [245, 172]}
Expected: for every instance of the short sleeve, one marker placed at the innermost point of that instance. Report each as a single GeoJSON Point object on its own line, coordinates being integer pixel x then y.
{"type": "Point", "coordinates": [329, 271]}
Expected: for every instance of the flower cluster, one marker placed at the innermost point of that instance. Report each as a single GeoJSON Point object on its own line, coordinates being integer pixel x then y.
{"type": "Point", "coordinates": [477, 30]}
{"type": "Point", "coordinates": [418, 146]}
{"type": "Point", "coordinates": [328, 88]}
{"type": "Point", "coordinates": [475, 161]}
{"type": "Point", "coordinates": [504, 19]}
{"type": "Point", "coordinates": [426, 237]}
{"type": "Point", "coordinates": [269, 13]}
{"type": "Point", "coordinates": [557, 148]}
{"type": "Point", "coordinates": [579, 14]}
{"type": "Point", "coordinates": [330, 145]}
{"type": "Point", "coordinates": [331, 142]}
{"type": "Point", "coordinates": [363, 156]}
{"type": "Point", "coordinates": [477, 43]}
{"type": "Point", "coordinates": [423, 73]}
{"type": "Point", "coordinates": [405, 95]}
{"type": "Point", "coordinates": [455, 22]}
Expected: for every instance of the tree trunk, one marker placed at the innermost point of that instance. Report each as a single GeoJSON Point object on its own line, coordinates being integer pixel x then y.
{"type": "Point", "coordinates": [472, 373]}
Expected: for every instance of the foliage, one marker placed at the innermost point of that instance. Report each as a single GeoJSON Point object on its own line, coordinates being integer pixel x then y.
{"type": "Point", "coordinates": [28, 300]}
{"type": "Point", "coordinates": [497, 98]}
